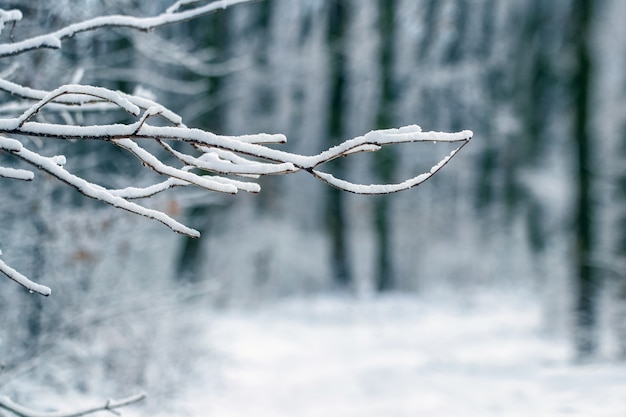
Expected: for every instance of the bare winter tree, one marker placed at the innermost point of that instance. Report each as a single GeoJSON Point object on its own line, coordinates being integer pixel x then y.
{"type": "Point", "coordinates": [182, 156]}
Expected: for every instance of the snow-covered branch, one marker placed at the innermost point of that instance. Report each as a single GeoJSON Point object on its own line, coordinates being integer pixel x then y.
{"type": "Point", "coordinates": [218, 163]}
{"type": "Point", "coordinates": [111, 406]}
{"type": "Point", "coordinates": [272, 160]}
{"type": "Point", "coordinates": [174, 14]}
{"type": "Point", "coordinates": [218, 156]}
{"type": "Point", "coordinates": [22, 280]}
{"type": "Point", "coordinates": [16, 174]}
{"type": "Point", "coordinates": [33, 121]}
{"type": "Point", "coordinates": [51, 166]}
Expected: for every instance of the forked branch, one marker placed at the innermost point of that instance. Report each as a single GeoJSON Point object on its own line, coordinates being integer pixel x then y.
{"type": "Point", "coordinates": [221, 157]}
{"type": "Point", "coordinates": [214, 162]}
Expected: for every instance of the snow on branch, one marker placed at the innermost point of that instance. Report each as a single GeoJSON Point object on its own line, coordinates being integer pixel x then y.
{"type": "Point", "coordinates": [174, 14]}
{"type": "Point", "coordinates": [111, 406]}
{"type": "Point", "coordinates": [193, 157]}
{"type": "Point", "coordinates": [374, 140]}
{"type": "Point", "coordinates": [219, 156]}
{"type": "Point", "coordinates": [23, 281]}
{"type": "Point", "coordinates": [7, 16]}
{"type": "Point", "coordinates": [51, 166]}
{"type": "Point", "coordinates": [16, 174]}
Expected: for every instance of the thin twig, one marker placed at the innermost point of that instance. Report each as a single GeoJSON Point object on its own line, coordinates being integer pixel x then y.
{"type": "Point", "coordinates": [111, 405]}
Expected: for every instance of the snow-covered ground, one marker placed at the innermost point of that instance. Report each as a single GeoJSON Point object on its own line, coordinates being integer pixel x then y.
{"type": "Point", "coordinates": [397, 356]}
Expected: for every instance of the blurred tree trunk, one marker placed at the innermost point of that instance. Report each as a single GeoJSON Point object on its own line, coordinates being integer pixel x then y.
{"type": "Point", "coordinates": [35, 314]}
{"type": "Point", "coordinates": [190, 257]}
{"type": "Point", "coordinates": [537, 83]}
{"type": "Point", "coordinates": [385, 159]}
{"type": "Point", "coordinates": [585, 280]}
{"type": "Point", "coordinates": [610, 123]}
{"type": "Point", "coordinates": [620, 248]}
{"type": "Point", "coordinates": [335, 199]}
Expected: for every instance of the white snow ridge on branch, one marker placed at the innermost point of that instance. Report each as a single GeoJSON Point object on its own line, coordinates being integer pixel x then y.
{"type": "Point", "coordinates": [220, 156]}
{"type": "Point", "coordinates": [173, 14]}
{"type": "Point", "coordinates": [218, 163]}
{"type": "Point", "coordinates": [111, 406]}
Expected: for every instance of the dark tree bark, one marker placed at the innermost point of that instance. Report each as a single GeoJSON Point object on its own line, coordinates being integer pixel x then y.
{"type": "Point", "coordinates": [190, 258]}
{"type": "Point", "coordinates": [620, 246]}
{"type": "Point", "coordinates": [586, 285]}
{"type": "Point", "coordinates": [385, 159]}
{"type": "Point", "coordinates": [335, 199]}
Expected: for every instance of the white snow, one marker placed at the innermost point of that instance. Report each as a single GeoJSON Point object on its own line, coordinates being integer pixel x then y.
{"type": "Point", "coordinates": [249, 145]}
{"type": "Point", "coordinates": [85, 90]}
{"type": "Point", "coordinates": [60, 160]}
{"type": "Point", "coordinates": [22, 280]}
{"type": "Point", "coordinates": [210, 183]}
{"type": "Point", "coordinates": [99, 193]}
{"type": "Point", "coordinates": [9, 16]}
{"type": "Point", "coordinates": [16, 174]}
{"type": "Point", "coordinates": [372, 188]}
{"type": "Point", "coordinates": [53, 40]}
{"type": "Point", "coordinates": [383, 188]}
{"type": "Point", "coordinates": [404, 134]}
{"type": "Point", "coordinates": [148, 191]}
{"type": "Point", "coordinates": [397, 356]}
{"type": "Point", "coordinates": [10, 145]}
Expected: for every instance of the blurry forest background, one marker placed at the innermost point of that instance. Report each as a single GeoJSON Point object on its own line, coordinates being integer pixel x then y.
{"type": "Point", "coordinates": [535, 203]}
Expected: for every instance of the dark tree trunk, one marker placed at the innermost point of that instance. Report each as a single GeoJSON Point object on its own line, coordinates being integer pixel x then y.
{"type": "Point", "coordinates": [335, 199]}
{"type": "Point", "coordinates": [385, 159]}
{"type": "Point", "coordinates": [191, 255]}
{"type": "Point", "coordinates": [586, 285]}
{"type": "Point", "coordinates": [34, 320]}
{"type": "Point", "coordinates": [620, 247]}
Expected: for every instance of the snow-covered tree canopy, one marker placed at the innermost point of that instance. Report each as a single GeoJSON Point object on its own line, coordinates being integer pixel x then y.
{"type": "Point", "coordinates": [226, 164]}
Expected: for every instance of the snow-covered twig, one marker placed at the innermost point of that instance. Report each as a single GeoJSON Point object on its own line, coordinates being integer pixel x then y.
{"type": "Point", "coordinates": [173, 14]}
{"type": "Point", "coordinates": [221, 155]}
{"type": "Point", "coordinates": [208, 161]}
{"type": "Point", "coordinates": [7, 16]}
{"type": "Point", "coordinates": [89, 189]}
{"type": "Point", "coordinates": [16, 174]}
{"type": "Point", "coordinates": [111, 405]}
{"type": "Point", "coordinates": [23, 281]}
{"type": "Point", "coordinates": [82, 101]}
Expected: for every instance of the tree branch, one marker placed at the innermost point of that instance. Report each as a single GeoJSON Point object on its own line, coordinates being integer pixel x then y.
{"type": "Point", "coordinates": [23, 281]}
{"type": "Point", "coordinates": [16, 174]}
{"type": "Point", "coordinates": [111, 405]}
{"type": "Point", "coordinates": [88, 189]}
{"type": "Point", "coordinates": [219, 156]}
{"type": "Point", "coordinates": [276, 161]}
{"type": "Point", "coordinates": [53, 40]}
